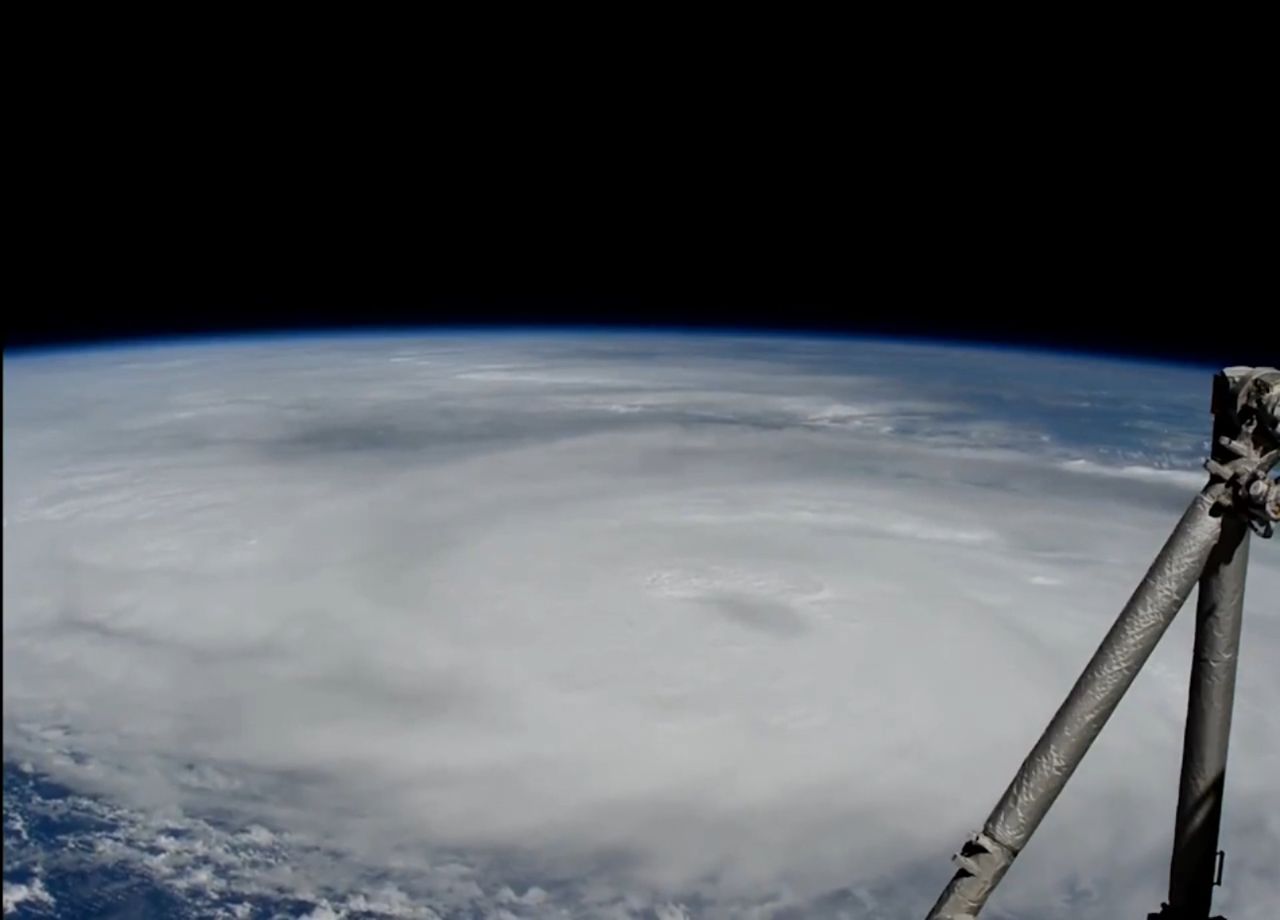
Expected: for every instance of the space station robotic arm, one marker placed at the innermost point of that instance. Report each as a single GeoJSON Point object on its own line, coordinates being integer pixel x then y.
{"type": "Point", "coordinates": [1208, 546]}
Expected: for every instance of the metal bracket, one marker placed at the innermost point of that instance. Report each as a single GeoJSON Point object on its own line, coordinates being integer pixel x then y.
{"type": "Point", "coordinates": [1246, 446]}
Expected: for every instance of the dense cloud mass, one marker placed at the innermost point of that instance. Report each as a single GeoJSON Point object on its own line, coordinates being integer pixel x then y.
{"type": "Point", "coordinates": [601, 626]}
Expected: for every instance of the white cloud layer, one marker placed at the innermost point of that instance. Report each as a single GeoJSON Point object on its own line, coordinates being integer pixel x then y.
{"type": "Point", "coordinates": [35, 893]}
{"type": "Point", "coordinates": [607, 627]}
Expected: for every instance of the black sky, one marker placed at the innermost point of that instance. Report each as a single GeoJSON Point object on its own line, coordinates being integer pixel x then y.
{"type": "Point", "coordinates": [1051, 213]}
{"type": "Point", "coordinates": [1078, 285]}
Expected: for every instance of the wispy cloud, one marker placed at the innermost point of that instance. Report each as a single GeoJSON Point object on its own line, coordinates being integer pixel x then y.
{"type": "Point", "coordinates": [34, 893]}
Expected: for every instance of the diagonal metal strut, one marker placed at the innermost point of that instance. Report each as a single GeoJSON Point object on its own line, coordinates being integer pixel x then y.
{"type": "Point", "coordinates": [1097, 692]}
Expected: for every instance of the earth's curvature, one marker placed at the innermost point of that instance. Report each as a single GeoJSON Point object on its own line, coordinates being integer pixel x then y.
{"type": "Point", "coordinates": [589, 625]}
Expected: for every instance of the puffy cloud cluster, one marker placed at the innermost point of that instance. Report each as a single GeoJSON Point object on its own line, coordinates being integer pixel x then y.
{"type": "Point", "coordinates": [634, 626]}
